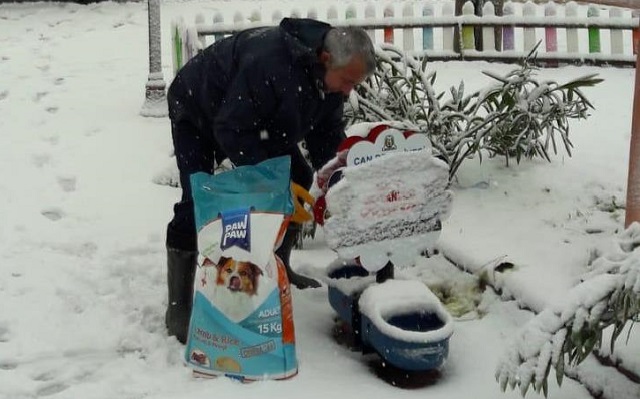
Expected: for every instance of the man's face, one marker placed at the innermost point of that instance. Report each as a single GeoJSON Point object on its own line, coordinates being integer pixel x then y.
{"type": "Point", "coordinates": [343, 79]}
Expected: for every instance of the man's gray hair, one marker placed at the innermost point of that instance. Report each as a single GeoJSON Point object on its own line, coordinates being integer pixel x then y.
{"type": "Point", "coordinates": [344, 43]}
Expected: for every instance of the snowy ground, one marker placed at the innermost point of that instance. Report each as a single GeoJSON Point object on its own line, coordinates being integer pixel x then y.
{"type": "Point", "coordinates": [82, 268]}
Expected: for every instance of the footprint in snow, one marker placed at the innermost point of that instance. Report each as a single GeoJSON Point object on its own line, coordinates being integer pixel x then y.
{"type": "Point", "coordinates": [56, 23]}
{"type": "Point", "coordinates": [7, 365]}
{"type": "Point", "coordinates": [67, 183]}
{"type": "Point", "coordinates": [58, 81]}
{"type": "Point", "coordinates": [51, 389]}
{"type": "Point", "coordinates": [40, 95]}
{"type": "Point", "coordinates": [4, 332]}
{"type": "Point", "coordinates": [4, 94]}
{"type": "Point", "coordinates": [41, 160]}
{"type": "Point", "coordinates": [52, 110]}
{"type": "Point", "coordinates": [53, 140]}
{"type": "Point", "coordinates": [80, 249]}
{"type": "Point", "coordinates": [45, 376]}
{"type": "Point", "coordinates": [92, 132]}
{"type": "Point", "coordinates": [53, 213]}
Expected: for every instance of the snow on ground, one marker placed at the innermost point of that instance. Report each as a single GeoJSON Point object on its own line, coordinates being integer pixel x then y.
{"type": "Point", "coordinates": [82, 268]}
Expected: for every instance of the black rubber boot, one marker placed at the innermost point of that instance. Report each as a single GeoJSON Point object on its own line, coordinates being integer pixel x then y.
{"type": "Point", "coordinates": [181, 268]}
{"type": "Point", "coordinates": [284, 252]}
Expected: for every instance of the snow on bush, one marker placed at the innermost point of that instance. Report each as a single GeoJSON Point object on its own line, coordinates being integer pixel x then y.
{"type": "Point", "coordinates": [516, 117]}
{"type": "Point", "coordinates": [608, 296]}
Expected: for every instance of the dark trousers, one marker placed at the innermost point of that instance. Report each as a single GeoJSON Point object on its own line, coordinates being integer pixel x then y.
{"type": "Point", "coordinates": [194, 152]}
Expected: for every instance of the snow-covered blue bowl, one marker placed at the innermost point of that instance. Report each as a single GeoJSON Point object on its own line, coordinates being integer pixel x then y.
{"type": "Point", "coordinates": [406, 324]}
{"type": "Point", "coordinates": [346, 282]}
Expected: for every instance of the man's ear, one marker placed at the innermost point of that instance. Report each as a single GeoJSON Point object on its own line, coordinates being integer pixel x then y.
{"type": "Point", "coordinates": [325, 58]}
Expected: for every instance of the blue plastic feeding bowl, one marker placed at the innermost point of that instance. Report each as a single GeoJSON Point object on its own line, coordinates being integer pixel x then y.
{"type": "Point", "coordinates": [406, 324]}
{"type": "Point", "coordinates": [346, 283]}
{"type": "Point", "coordinates": [405, 354]}
{"type": "Point", "coordinates": [401, 320]}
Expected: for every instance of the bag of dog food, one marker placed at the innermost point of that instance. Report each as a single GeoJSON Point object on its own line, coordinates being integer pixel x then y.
{"type": "Point", "coordinates": [242, 320]}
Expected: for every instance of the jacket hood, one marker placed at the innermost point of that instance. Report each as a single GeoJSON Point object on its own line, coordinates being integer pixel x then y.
{"type": "Point", "coordinates": [304, 38]}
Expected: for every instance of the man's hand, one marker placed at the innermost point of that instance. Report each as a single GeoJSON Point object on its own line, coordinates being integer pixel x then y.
{"type": "Point", "coordinates": [300, 198]}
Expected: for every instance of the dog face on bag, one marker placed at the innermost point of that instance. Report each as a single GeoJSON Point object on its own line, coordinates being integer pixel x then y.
{"type": "Point", "coordinates": [230, 286]}
{"type": "Point", "coordinates": [240, 277]}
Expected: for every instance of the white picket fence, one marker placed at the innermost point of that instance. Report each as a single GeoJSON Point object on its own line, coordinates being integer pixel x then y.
{"type": "Point", "coordinates": [568, 33]}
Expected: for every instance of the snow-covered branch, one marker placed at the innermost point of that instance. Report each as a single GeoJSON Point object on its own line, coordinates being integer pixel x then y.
{"type": "Point", "coordinates": [515, 117]}
{"type": "Point", "coordinates": [566, 334]}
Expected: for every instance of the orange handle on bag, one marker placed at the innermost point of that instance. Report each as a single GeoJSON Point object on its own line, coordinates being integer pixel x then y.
{"type": "Point", "coordinates": [301, 197]}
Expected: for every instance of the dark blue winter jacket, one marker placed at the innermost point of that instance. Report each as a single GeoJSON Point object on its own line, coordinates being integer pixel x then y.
{"type": "Point", "coordinates": [260, 92]}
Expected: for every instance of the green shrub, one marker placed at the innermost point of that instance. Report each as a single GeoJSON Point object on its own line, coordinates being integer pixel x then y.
{"type": "Point", "coordinates": [516, 117]}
